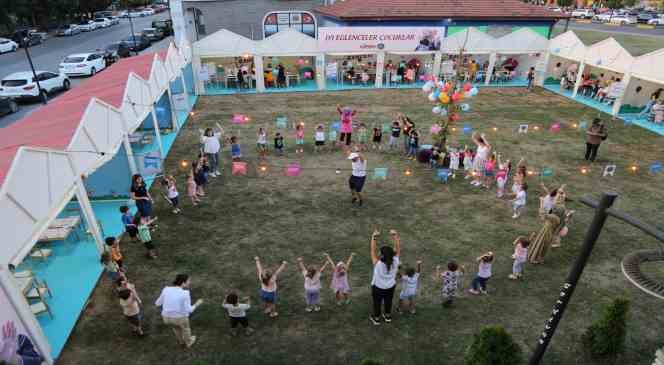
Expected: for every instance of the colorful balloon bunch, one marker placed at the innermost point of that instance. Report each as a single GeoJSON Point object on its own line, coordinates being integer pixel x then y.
{"type": "Point", "coordinates": [448, 98]}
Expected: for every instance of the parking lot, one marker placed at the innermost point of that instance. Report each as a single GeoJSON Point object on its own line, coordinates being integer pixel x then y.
{"type": "Point", "coordinates": [631, 29]}
{"type": "Point", "coordinates": [48, 55]}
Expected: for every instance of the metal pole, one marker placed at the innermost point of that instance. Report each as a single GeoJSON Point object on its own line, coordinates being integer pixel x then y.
{"type": "Point", "coordinates": [26, 45]}
{"type": "Point", "coordinates": [133, 36]}
{"type": "Point", "coordinates": [567, 290]}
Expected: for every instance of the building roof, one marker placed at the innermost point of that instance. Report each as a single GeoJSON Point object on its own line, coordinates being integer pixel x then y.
{"type": "Point", "coordinates": [436, 9]}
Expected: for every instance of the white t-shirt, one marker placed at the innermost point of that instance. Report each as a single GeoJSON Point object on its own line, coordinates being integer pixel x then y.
{"type": "Point", "coordinates": [311, 283]}
{"type": "Point", "coordinates": [409, 284]}
{"type": "Point", "coordinates": [382, 278]}
{"type": "Point", "coordinates": [483, 152]}
{"type": "Point", "coordinates": [237, 311]}
{"type": "Point", "coordinates": [360, 168]}
{"type": "Point", "coordinates": [175, 302]}
{"type": "Point", "coordinates": [172, 192]}
{"type": "Point", "coordinates": [520, 198]}
{"type": "Point", "coordinates": [211, 144]}
{"type": "Point", "coordinates": [484, 270]}
{"type": "Point", "coordinates": [320, 136]}
{"type": "Point", "coordinates": [262, 138]}
{"type": "Point", "coordinates": [548, 203]}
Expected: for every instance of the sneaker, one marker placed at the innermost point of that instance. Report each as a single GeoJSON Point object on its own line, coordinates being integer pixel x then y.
{"type": "Point", "coordinates": [473, 291]}
{"type": "Point", "coordinates": [413, 311]}
{"type": "Point", "coordinates": [512, 276]}
{"type": "Point", "coordinates": [484, 291]}
{"type": "Point", "coordinates": [316, 309]}
{"type": "Point", "coordinates": [212, 174]}
{"type": "Point", "coordinates": [273, 314]}
{"type": "Point", "coordinates": [218, 173]}
{"type": "Point", "coordinates": [308, 309]}
{"type": "Point", "coordinates": [387, 318]}
{"type": "Point", "coordinates": [374, 320]}
{"type": "Point", "coordinates": [515, 216]}
{"type": "Point", "coordinates": [193, 341]}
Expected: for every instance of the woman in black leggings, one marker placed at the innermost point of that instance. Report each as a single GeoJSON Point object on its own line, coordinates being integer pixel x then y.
{"type": "Point", "coordinates": [384, 281]}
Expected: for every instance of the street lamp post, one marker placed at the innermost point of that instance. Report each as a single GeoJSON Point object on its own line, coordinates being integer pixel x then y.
{"type": "Point", "coordinates": [26, 45]}
{"type": "Point", "coordinates": [133, 36]}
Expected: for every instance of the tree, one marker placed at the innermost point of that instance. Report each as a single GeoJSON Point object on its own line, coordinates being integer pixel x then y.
{"type": "Point", "coordinates": [606, 338]}
{"type": "Point", "coordinates": [493, 346]}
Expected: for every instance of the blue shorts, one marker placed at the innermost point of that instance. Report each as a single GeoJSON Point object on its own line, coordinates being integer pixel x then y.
{"type": "Point", "coordinates": [269, 296]}
{"type": "Point", "coordinates": [406, 296]}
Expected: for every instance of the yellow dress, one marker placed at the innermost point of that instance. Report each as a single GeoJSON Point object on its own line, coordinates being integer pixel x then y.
{"type": "Point", "coordinates": [541, 241]}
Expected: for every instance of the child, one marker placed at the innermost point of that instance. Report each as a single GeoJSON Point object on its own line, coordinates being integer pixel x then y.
{"type": "Point", "coordinates": [377, 138]}
{"type": "Point", "coordinates": [413, 144]}
{"type": "Point", "coordinates": [483, 274]}
{"type": "Point", "coordinates": [501, 177]}
{"type": "Point", "coordinates": [191, 189]}
{"type": "Point", "coordinates": [279, 144]}
{"type": "Point", "coordinates": [467, 162]}
{"type": "Point", "coordinates": [172, 192]}
{"type": "Point", "coordinates": [261, 142]}
{"type": "Point", "coordinates": [332, 136]}
{"type": "Point", "coordinates": [268, 281]}
{"type": "Point", "coordinates": [520, 256]}
{"type": "Point", "coordinates": [237, 312]}
{"type": "Point", "coordinates": [489, 173]}
{"type": "Point", "coordinates": [520, 176]}
{"type": "Point", "coordinates": [454, 161]}
{"type": "Point", "coordinates": [200, 177]}
{"type": "Point", "coordinates": [128, 221]}
{"type": "Point", "coordinates": [450, 278]}
{"type": "Point", "coordinates": [236, 152]}
{"type": "Point", "coordinates": [311, 285]}
{"type": "Point", "coordinates": [435, 157]}
{"type": "Point", "coordinates": [394, 136]}
{"type": "Point", "coordinates": [299, 138]}
{"type": "Point", "coordinates": [146, 237]}
{"type": "Point", "coordinates": [362, 137]}
{"type": "Point", "coordinates": [130, 303]}
{"type": "Point", "coordinates": [409, 288]}
{"type": "Point", "coordinates": [114, 249]}
{"type": "Point", "coordinates": [520, 200]}
{"type": "Point", "coordinates": [340, 283]}
{"type": "Point", "coordinates": [319, 138]}
{"type": "Point", "coordinates": [365, 77]}
{"type": "Point", "coordinates": [112, 269]}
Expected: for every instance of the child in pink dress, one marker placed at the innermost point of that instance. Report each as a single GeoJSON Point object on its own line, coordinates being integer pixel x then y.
{"type": "Point", "coordinates": [340, 284]}
{"type": "Point", "coordinates": [501, 177]}
{"type": "Point", "coordinates": [346, 114]}
{"type": "Point", "coordinates": [191, 189]}
{"type": "Point", "coordinates": [299, 138]}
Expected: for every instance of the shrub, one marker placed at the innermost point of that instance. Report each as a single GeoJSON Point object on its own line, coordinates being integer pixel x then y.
{"type": "Point", "coordinates": [606, 338]}
{"type": "Point", "coordinates": [493, 346]}
{"type": "Point", "coordinates": [372, 362]}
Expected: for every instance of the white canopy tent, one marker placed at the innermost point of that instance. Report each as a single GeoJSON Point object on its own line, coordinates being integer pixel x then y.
{"type": "Point", "coordinates": [522, 41]}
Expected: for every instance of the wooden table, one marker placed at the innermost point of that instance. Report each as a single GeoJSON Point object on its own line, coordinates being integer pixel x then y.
{"type": "Point", "coordinates": [60, 229]}
{"type": "Point", "coordinates": [24, 283]}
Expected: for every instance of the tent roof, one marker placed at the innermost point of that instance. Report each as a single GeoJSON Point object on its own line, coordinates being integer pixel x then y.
{"type": "Point", "coordinates": [568, 45]}
{"type": "Point", "coordinates": [224, 43]}
{"type": "Point", "coordinates": [610, 55]}
{"type": "Point", "coordinates": [649, 66]}
{"type": "Point", "coordinates": [471, 40]}
{"type": "Point", "coordinates": [523, 40]}
{"type": "Point", "coordinates": [53, 125]}
{"type": "Point", "coordinates": [288, 42]}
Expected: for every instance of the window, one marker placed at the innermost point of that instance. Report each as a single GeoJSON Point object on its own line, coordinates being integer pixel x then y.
{"type": "Point", "coordinates": [73, 59]}
{"type": "Point", "coordinates": [14, 83]}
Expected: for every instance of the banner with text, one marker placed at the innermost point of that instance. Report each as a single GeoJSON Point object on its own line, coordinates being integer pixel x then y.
{"type": "Point", "coordinates": [371, 39]}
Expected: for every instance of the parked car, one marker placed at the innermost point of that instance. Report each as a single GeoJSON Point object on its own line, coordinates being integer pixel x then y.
{"type": "Point", "coordinates": [114, 51]}
{"type": "Point", "coordinates": [8, 105]}
{"type": "Point", "coordinates": [123, 14]}
{"type": "Point", "coordinates": [114, 20]}
{"type": "Point", "coordinates": [102, 22]}
{"type": "Point", "coordinates": [27, 37]}
{"type": "Point", "coordinates": [153, 34]}
{"type": "Point", "coordinates": [135, 13]}
{"type": "Point", "coordinates": [166, 26]}
{"type": "Point", "coordinates": [87, 25]}
{"type": "Point", "coordinates": [659, 20]}
{"type": "Point", "coordinates": [623, 19]}
{"type": "Point", "coordinates": [604, 17]}
{"type": "Point", "coordinates": [644, 18]}
{"type": "Point", "coordinates": [7, 45]}
{"type": "Point", "coordinates": [583, 14]}
{"type": "Point", "coordinates": [148, 12]}
{"type": "Point", "coordinates": [137, 42]}
{"type": "Point", "coordinates": [22, 85]}
{"type": "Point", "coordinates": [67, 30]}
{"type": "Point", "coordinates": [83, 64]}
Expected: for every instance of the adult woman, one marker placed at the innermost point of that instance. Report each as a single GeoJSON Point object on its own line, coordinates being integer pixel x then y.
{"type": "Point", "coordinates": [483, 152]}
{"type": "Point", "coordinates": [651, 102]}
{"type": "Point", "coordinates": [541, 241]}
{"type": "Point", "coordinates": [359, 174]}
{"type": "Point", "coordinates": [658, 108]}
{"type": "Point", "coordinates": [384, 281]}
{"type": "Point", "coordinates": [211, 142]}
{"type": "Point", "coordinates": [140, 194]}
{"type": "Point", "coordinates": [175, 303]}
{"type": "Point", "coordinates": [594, 137]}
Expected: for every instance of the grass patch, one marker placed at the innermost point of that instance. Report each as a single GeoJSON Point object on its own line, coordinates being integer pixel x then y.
{"type": "Point", "coordinates": [636, 45]}
{"type": "Point", "coordinates": [278, 217]}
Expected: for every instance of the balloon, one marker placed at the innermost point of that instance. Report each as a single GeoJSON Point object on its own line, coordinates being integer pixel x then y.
{"type": "Point", "coordinates": [465, 107]}
{"type": "Point", "coordinates": [456, 97]}
{"type": "Point", "coordinates": [436, 93]}
{"type": "Point", "coordinates": [300, 62]}
{"type": "Point", "coordinates": [436, 110]}
{"type": "Point", "coordinates": [467, 86]}
{"type": "Point", "coordinates": [474, 91]}
{"type": "Point", "coordinates": [446, 88]}
{"type": "Point", "coordinates": [441, 84]}
{"type": "Point", "coordinates": [427, 88]}
{"type": "Point", "coordinates": [432, 97]}
{"type": "Point", "coordinates": [435, 129]}
{"type": "Point", "coordinates": [444, 98]}
{"type": "Point", "coordinates": [443, 112]}
{"type": "Point", "coordinates": [454, 117]}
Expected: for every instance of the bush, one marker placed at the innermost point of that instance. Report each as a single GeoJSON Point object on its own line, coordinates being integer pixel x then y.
{"type": "Point", "coordinates": [372, 362]}
{"type": "Point", "coordinates": [606, 338]}
{"type": "Point", "coordinates": [493, 346]}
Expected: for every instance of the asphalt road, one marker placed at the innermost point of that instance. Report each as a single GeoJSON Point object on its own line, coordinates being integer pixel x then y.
{"type": "Point", "coordinates": [48, 55]}
{"type": "Point", "coordinates": [624, 29]}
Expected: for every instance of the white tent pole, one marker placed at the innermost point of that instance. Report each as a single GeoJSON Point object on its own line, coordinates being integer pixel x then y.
{"type": "Point", "coordinates": [130, 154]}
{"type": "Point", "coordinates": [579, 77]}
{"type": "Point", "coordinates": [380, 68]}
{"type": "Point", "coordinates": [437, 61]}
{"type": "Point", "coordinates": [157, 133]}
{"type": "Point", "coordinates": [320, 71]}
{"type": "Point", "coordinates": [489, 70]}
{"type": "Point", "coordinates": [199, 85]}
{"type": "Point", "coordinates": [24, 314]}
{"type": "Point", "coordinates": [619, 100]}
{"type": "Point", "coordinates": [541, 68]}
{"type": "Point", "coordinates": [174, 115]}
{"type": "Point", "coordinates": [260, 80]}
{"type": "Point", "coordinates": [88, 213]}
{"type": "Point", "coordinates": [184, 85]}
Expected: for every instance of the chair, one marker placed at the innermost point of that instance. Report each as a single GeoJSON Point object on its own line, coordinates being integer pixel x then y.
{"type": "Point", "coordinates": [39, 290]}
{"type": "Point", "coordinates": [41, 253]}
{"type": "Point", "coordinates": [40, 306]}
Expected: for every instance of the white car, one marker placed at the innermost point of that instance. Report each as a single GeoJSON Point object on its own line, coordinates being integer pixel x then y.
{"type": "Point", "coordinates": [135, 13]}
{"type": "Point", "coordinates": [23, 85]}
{"type": "Point", "coordinates": [623, 19]}
{"type": "Point", "coordinates": [87, 26]}
{"type": "Point", "coordinates": [583, 13]}
{"type": "Point", "coordinates": [657, 21]}
{"type": "Point", "coordinates": [603, 17]}
{"type": "Point", "coordinates": [81, 64]}
{"type": "Point", "coordinates": [102, 22]}
{"type": "Point", "coordinates": [114, 20]}
{"type": "Point", "coordinates": [148, 12]}
{"type": "Point", "coordinates": [7, 45]}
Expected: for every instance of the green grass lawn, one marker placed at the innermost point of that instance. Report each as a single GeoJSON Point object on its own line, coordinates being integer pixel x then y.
{"type": "Point", "coordinates": [636, 45]}
{"type": "Point", "coordinates": [280, 218]}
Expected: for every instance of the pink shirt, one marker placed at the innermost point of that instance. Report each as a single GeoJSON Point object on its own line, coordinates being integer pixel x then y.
{"type": "Point", "coordinates": [346, 120]}
{"type": "Point", "coordinates": [299, 133]}
{"type": "Point", "coordinates": [520, 253]}
{"type": "Point", "coordinates": [489, 166]}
